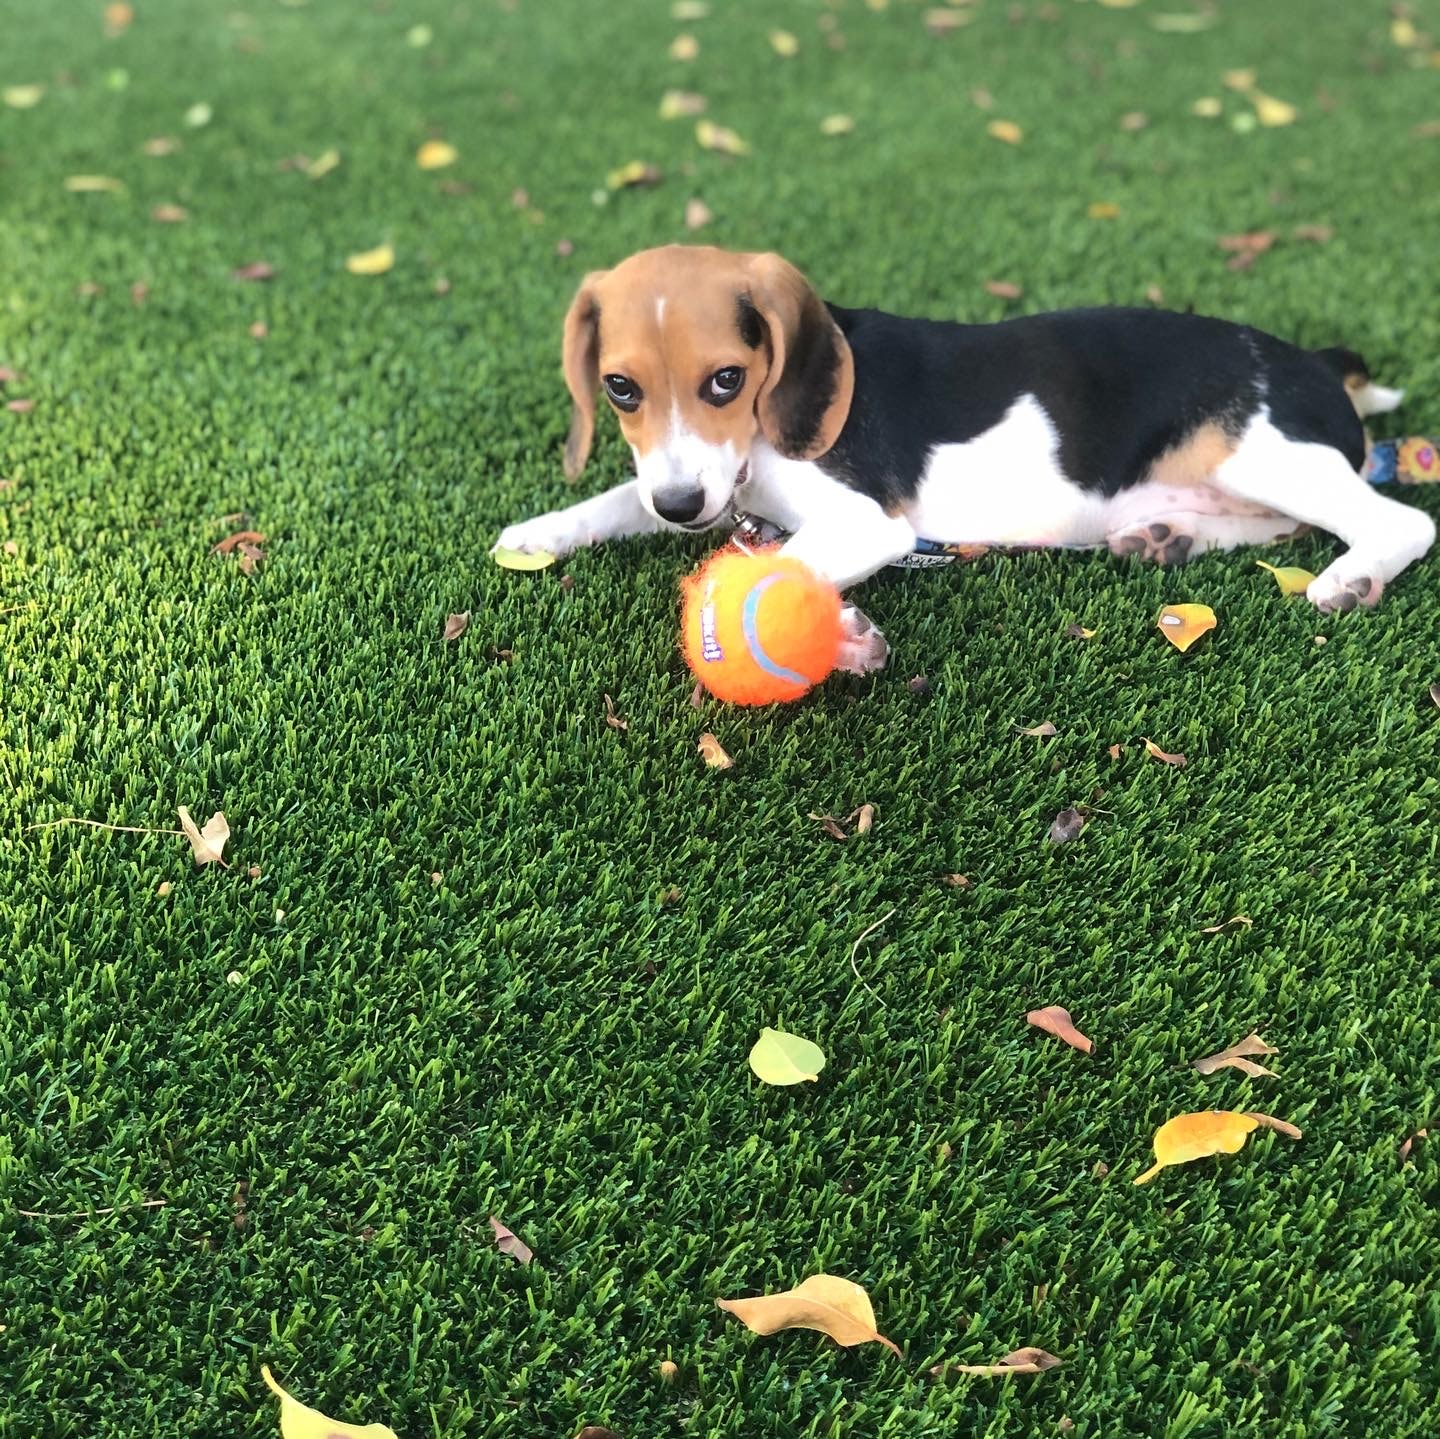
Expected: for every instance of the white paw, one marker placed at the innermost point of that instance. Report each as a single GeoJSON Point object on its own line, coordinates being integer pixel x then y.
{"type": "Point", "coordinates": [1343, 590]}
{"type": "Point", "coordinates": [862, 647]}
{"type": "Point", "coordinates": [554, 533]}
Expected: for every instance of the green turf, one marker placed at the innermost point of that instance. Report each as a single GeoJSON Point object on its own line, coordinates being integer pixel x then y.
{"type": "Point", "coordinates": [386, 1061]}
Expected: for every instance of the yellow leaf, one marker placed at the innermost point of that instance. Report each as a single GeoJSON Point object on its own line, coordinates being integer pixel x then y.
{"type": "Point", "coordinates": [1271, 111]}
{"type": "Point", "coordinates": [323, 164]}
{"type": "Point", "coordinates": [780, 1058]}
{"type": "Point", "coordinates": [436, 155]}
{"type": "Point", "coordinates": [684, 47]}
{"type": "Point", "coordinates": [372, 262]}
{"type": "Point", "coordinates": [1182, 625]}
{"type": "Point", "coordinates": [824, 1302]}
{"type": "Point", "coordinates": [720, 137]}
{"type": "Point", "coordinates": [1241, 80]}
{"type": "Point", "coordinates": [22, 97]}
{"type": "Point", "coordinates": [1197, 1136]}
{"type": "Point", "coordinates": [1207, 107]}
{"type": "Point", "coordinates": [93, 185]}
{"type": "Point", "coordinates": [713, 752]}
{"type": "Point", "coordinates": [1291, 581]}
{"type": "Point", "coordinates": [1154, 750]}
{"type": "Point", "coordinates": [1103, 210]}
{"type": "Point", "coordinates": [208, 844]}
{"type": "Point", "coordinates": [637, 172]}
{"type": "Point", "coordinates": [681, 104]}
{"type": "Point", "coordinates": [784, 44]}
{"type": "Point", "coordinates": [1403, 32]}
{"type": "Point", "coordinates": [836, 125]}
{"type": "Point", "coordinates": [509, 559]}
{"type": "Point", "coordinates": [1006, 130]}
{"type": "Point", "coordinates": [299, 1421]}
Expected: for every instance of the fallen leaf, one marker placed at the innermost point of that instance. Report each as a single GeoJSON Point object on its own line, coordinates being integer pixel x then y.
{"type": "Point", "coordinates": [1207, 107]}
{"type": "Point", "coordinates": [240, 537]}
{"type": "Point", "coordinates": [681, 105]}
{"type": "Point", "coordinates": [697, 215]}
{"type": "Point", "coordinates": [1242, 124]}
{"type": "Point", "coordinates": [208, 844]}
{"type": "Point", "coordinates": [160, 145]}
{"type": "Point", "coordinates": [19, 407]}
{"type": "Point", "coordinates": [1153, 749]}
{"type": "Point", "coordinates": [509, 559]}
{"type": "Point", "coordinates": [713, 752]}
{"type": "Point", "coordinates": [1410, 1143]}
{"type": "Point", "coordinates": [1066, 826]}
{"type": "Point", "coordinates": [1426, 130]}
{"type": "Point", "coordinates": [1103, 210]}
{"type": "Point", "coordinates": [684, 47]}
{"type": "Point", "coordinates": [507, 1243]}
{"type": "Point", "coordinates": [596, 1431]}
{"type": "Point", "coordinates": [1055, 1019]}
{"type": "Point", "coordinates": [199, 115]}
{"type": "Point", "coordinates": [1119, 4]}
{"type": "Point", "coordinates": [955, 881]}
{"type": "Point", "coordinates": [298, 1421]}
{"type": "Point", "coordinates": [824, 1302]}
{"type": "Point", "coordinates": [9, 376]}
{"type": "Point", "coordinates": [668, 1371]}
{"type": "Point", "coordinates": [1236, 1057]}
{"type": "Point", "coordinates": [636, 173]}
{"type": "Point", "coordinates": [1244, 249]}
{"type": "Point", "coordinates": [1280, 1126]}
{"type": "Point", "coordinates": [1039, 731]}
{"type": "Point", "coordinates": [835, 125]}
{"type": "Point", "coordinates": [1403, 32]}
{"type": "Point", "coordinates": [981, 98]}
{"type": "Point", "coordinates": [1291, 581]}
{"type": "Point", "coordinates": [1018, 1361]}
{"type": "Point", "coordinates": [456, 625]}
{"type": "Point", "coordinates": [940, 22]}
{"type": "Point", "coordinates": [165, 888]}
{"type": "Point", "coordinates": [1182, 625]}
{"type": "Point", "coordinates": [1078, 632]}
{"type": "Point", "coordinates": [720, 137]}
{"type": "Point", "coordinates": [1006, 130]}
{"type": "Point", "coordinates": [1185, 23]}
{"type": "Point", "coordinates": [1435, 694]}
{"type": "Point", "coordinates": [169, 214]}
{"type": "Point", "coordinates": [781, 1058]}
{"type": "Point", "coordinates": [22, 97]}
{"type": "Point", "coordinates": [1212, 1131]}
{"type": "Point", "coordinates": [256, 270]}
{"type": "Point", "coordinates": [612, 719]}
{"type": "Point", "coordinates": [323, 164]}
{"type": "Point", "coordinates": [864, 818]}
{"type": "Point", "coordinates": [378, 261]}
{"type": "Point", "coordinates": [259, 330]}
{"type": "Point", "coordinates": [118, 17]}
{"type": "Point", "coordinates": [918, 685]}
{"type": "Point", "coordinates": [1004, 289]}
{"type": "Point", "coordinates": [830, 825]}
{"type": "Point", "coordinates": [93, 185]}
{"type": "Point", "coordinates": [436, 155]}
{"type": "Point", "coordinates": [1316, 234]}
{"type": "Point", "coordinates": [1272, 112]}
{"type": "Point", "coordinates": [1115, 751]}
{"type": "Point", "coordinates": [1134, 120]}
{"type": "Point", "coordinates": [417, 37]}
{"type": "Point", "coordinates": [139, 292]}
{"type": "Point", "coordinates": [1241, 80]}
{"type": "Point", "coordinates": [689, 10]}
{"type": "Point", "coordinates": [1241, 919]}
{"type": "Point", "coordinates": [784, 44]}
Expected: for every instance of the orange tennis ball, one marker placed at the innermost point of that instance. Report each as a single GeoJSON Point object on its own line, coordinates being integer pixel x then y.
{"type": "Point", "coordinates": [760, 628]}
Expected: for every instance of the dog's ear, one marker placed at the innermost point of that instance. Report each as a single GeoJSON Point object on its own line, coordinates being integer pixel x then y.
{"type": "Point", "coordinates": [805, 399]}
{"type": "Point", "coordinates": [582, 371]}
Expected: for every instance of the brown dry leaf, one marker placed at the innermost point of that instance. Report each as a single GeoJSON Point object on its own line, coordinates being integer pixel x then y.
{"type": "Point", "coordinates": [681, 105]}
{"type": "Point", "coordinates": [940, 22]}
{"type": "Point", "coordinates": [1235, 1058]}
{"type": "Point", "coordinates": [612, 719]}
{"type": "Point", "coordinates": [596, 1431]}
{"type": "Point", "coordinates": [1280, 1126]}
{"type": "Point", "coordinates": [697, 214]}
{"type": "Point", "coordinates": [250, 557]}
{"type": "Point", "coordinates": [169, 214]}
{"type": "Point", "coordinates": [720, 137]}
{"type": "Point", "coordinates": [118, 17]}
{"type": "Point", "coordinates": [1055, 1019]}
{"type": "Point", "coordinates": [507, 1243]}
{"type": "Point", "coordinates": [93, 185]}
{"type": "Point", "coordinates": [1178, 760]}
{"type": "Point", "coordinates": [1244, 249]}
{"type": "Point", "coordinates": [830, 825]}
{"type": "Point", "coordinates": [240, 537]}
{"type": "Point", "coordinates": [1240, 80]}
{"type": "Point", "coordinates": [864, 818]}
{"type": "Point", "coordinates": [19, 407]}
{"type": "Point", "coordinates": [259, 330]}
{"type": "Point", "coordinates": [1004, 289]}
{"type": "Point", "coordinates": [1316, 234]}
{"type": "Point", "coordinates": [1426, 130]}
{"type": "Point", "coordinates": [713, 752]}
{"type": "Point", "coordinates": [456, 625]}
{"type": "Point", "coordinates": [1038, 731]}
{"type": "Point", "coordinates": [1134, 120]}
{"type": "Point", "coordinates": [697, 696]}
{"type": "Point", "coordinates": [824, 1302]}
{"type": "Point", "coordinates": [160, 145]}
{"type": "Point", "coordinates": [1115, 751]}
{"type": "Point", "coordinates": [208, 844]}
{"type": "Point", "coordinates": [1410, 1143]}
{"type": "Point", "coordinates": [1066, 826]}
{"type": "Point", "coordinates": [1018, 1361]}
{"type": "Point", "coordinates": [1006, 130]}
{"type": "Point", "coordinates": [684, 47]}
{"type": "Point", "coordinates": [139, 292]}
{"type": "Point", "coordinates": [1078, 632]}
{"type": "Point", "coordinates": [955, 881]}
{"type": "Point", "coordinates": [256, 270]}
{"type": "Point", "coordinates": [1103, 210]}
{"type": "Point", "coordinates": [1435, 694]}
{"type": "Point", "coordinates": [1241, 919]}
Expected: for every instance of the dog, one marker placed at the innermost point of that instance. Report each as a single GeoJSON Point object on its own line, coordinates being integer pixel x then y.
{"type": "Point", "coordinates": [1161, 435]}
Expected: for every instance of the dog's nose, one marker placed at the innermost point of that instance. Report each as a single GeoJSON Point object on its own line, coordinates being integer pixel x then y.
{"type": "Point", "coordinates": [679, 503]}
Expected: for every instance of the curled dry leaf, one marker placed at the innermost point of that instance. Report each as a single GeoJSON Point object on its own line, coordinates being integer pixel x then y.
{"type": "Point", "coordinates": [824, 1302]}
{"type": "Point", "coordinates": [1115, 751]}
{"type": "Point", "coordinates": [681, 105]}
{"type": "Point", "coordinates": [456, 625]}
{"type": "Point", "coordinates": [781, 1058]}
{"type": "Point", "coordinates": [1435, 694]}
{"type": "Point", "coordinates": [1198, 1136]}
{"type": "Point", "coordinates": [436, 155]}
{"type": "Point", "coordinates": [1004, 289]}
{"type": "Point", "coordinates": [169, 214]}
{"type": "Point", "coordinates": [1316, 234]}
{"type": "Point", "coordinates": [596, 1431]}
{"type": "Point", "coordinates": [612, 718]}
{"type": "Point", "coordinates": [299, 1421]}
{"type": "Point", "coordinates": [240, 537]}
{"type": "Point", "coordinates": [1182, 625]}
{"type": "Point", "coordinates": [720, 137]}
{"type": "Point", "coordinates": [1246, 248]}
{"type": "Point", "coordinates": [1280, 1126]}
{"type": "Point", "coordinates": [256, 270]}
{"type": "Point", "coordinates": [697, 215]}
{"type": "Point", "coordinates": [1038, 731]}
{"type": "Point", "coordinates": [19, 407]}
{"type": "Point", "coordinates": [208, 844]}
{"type": "Point", "coordinates": [1290, 581]}
{"type": "Point", "coordinates": [633, 175]}
{"type": "Point", "coordinates": [864, 818]}
{"type": "Point", "coordinates": [830, 825]}
{"type": "Point", "coordinates": [1018, 1361]}
{"type": "Point", "coordinates": [955, 881]}
{"type": "Point", "coordinates": [1410, 1143]}
{"type": "Point", "coordinates": [1241, 919]}
{"type": "Point", "coordinates": [1078, 632]}
{"type": "Point", "coordinates": [1236, 1058]}
{"type": "Point", "coordinates": [507, 1243]}
{"type": "Point", "coordinates": [1154, 750]}
{"type": "Point", "coordinates": [378, 261]}
{"type": "Point", "coordinates": [1066, 826]}
{"type": "Point", "coordinates": [713, 752]}
{"type": "Point", "coordinates": [1055, 1019]}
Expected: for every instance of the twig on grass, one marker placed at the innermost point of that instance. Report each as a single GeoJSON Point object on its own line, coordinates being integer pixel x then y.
{"type": "Point", "coordinates": [94, 1213]}
{"type": "Point", "coordinates": [862, 937]}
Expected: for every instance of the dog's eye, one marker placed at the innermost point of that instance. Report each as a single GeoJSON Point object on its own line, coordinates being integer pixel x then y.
{"type": "Point", "coordinates": [723, 385]}
{"type": "Point", "coordinates": [625, 393]}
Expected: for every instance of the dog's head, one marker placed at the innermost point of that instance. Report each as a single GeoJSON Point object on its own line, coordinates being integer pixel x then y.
{"type": "Point", "coordinates": [699, 351]}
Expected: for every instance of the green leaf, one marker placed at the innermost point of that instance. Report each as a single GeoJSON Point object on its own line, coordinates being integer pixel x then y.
{"type": "Point", "coordinates": [780, 1058]}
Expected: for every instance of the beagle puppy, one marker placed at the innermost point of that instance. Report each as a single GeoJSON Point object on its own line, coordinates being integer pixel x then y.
{"type": "Point", "coordinates": [865, 435]}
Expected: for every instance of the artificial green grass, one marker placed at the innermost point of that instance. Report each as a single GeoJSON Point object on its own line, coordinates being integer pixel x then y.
{"type": "Point", "coordinates": [387, 1060]}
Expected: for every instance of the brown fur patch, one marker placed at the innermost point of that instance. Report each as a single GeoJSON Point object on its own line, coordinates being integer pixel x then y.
{"type": "Point", "coordinates": [1195, 459]}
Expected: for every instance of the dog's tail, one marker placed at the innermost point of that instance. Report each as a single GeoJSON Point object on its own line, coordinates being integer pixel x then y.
{"type": "Point", "coordinates": [1352, 372]}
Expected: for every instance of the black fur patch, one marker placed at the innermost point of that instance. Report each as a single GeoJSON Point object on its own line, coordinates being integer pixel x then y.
{"type": "Point", "coordinates": [751, 326]}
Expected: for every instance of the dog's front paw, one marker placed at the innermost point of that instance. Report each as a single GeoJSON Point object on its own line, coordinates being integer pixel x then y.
{"type": "Point", "coordinates": [862, 646]}
{"type": "Point", "coordinates": [1339, 589]}
{"type": "Point", "coordinates": [552, 533]}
